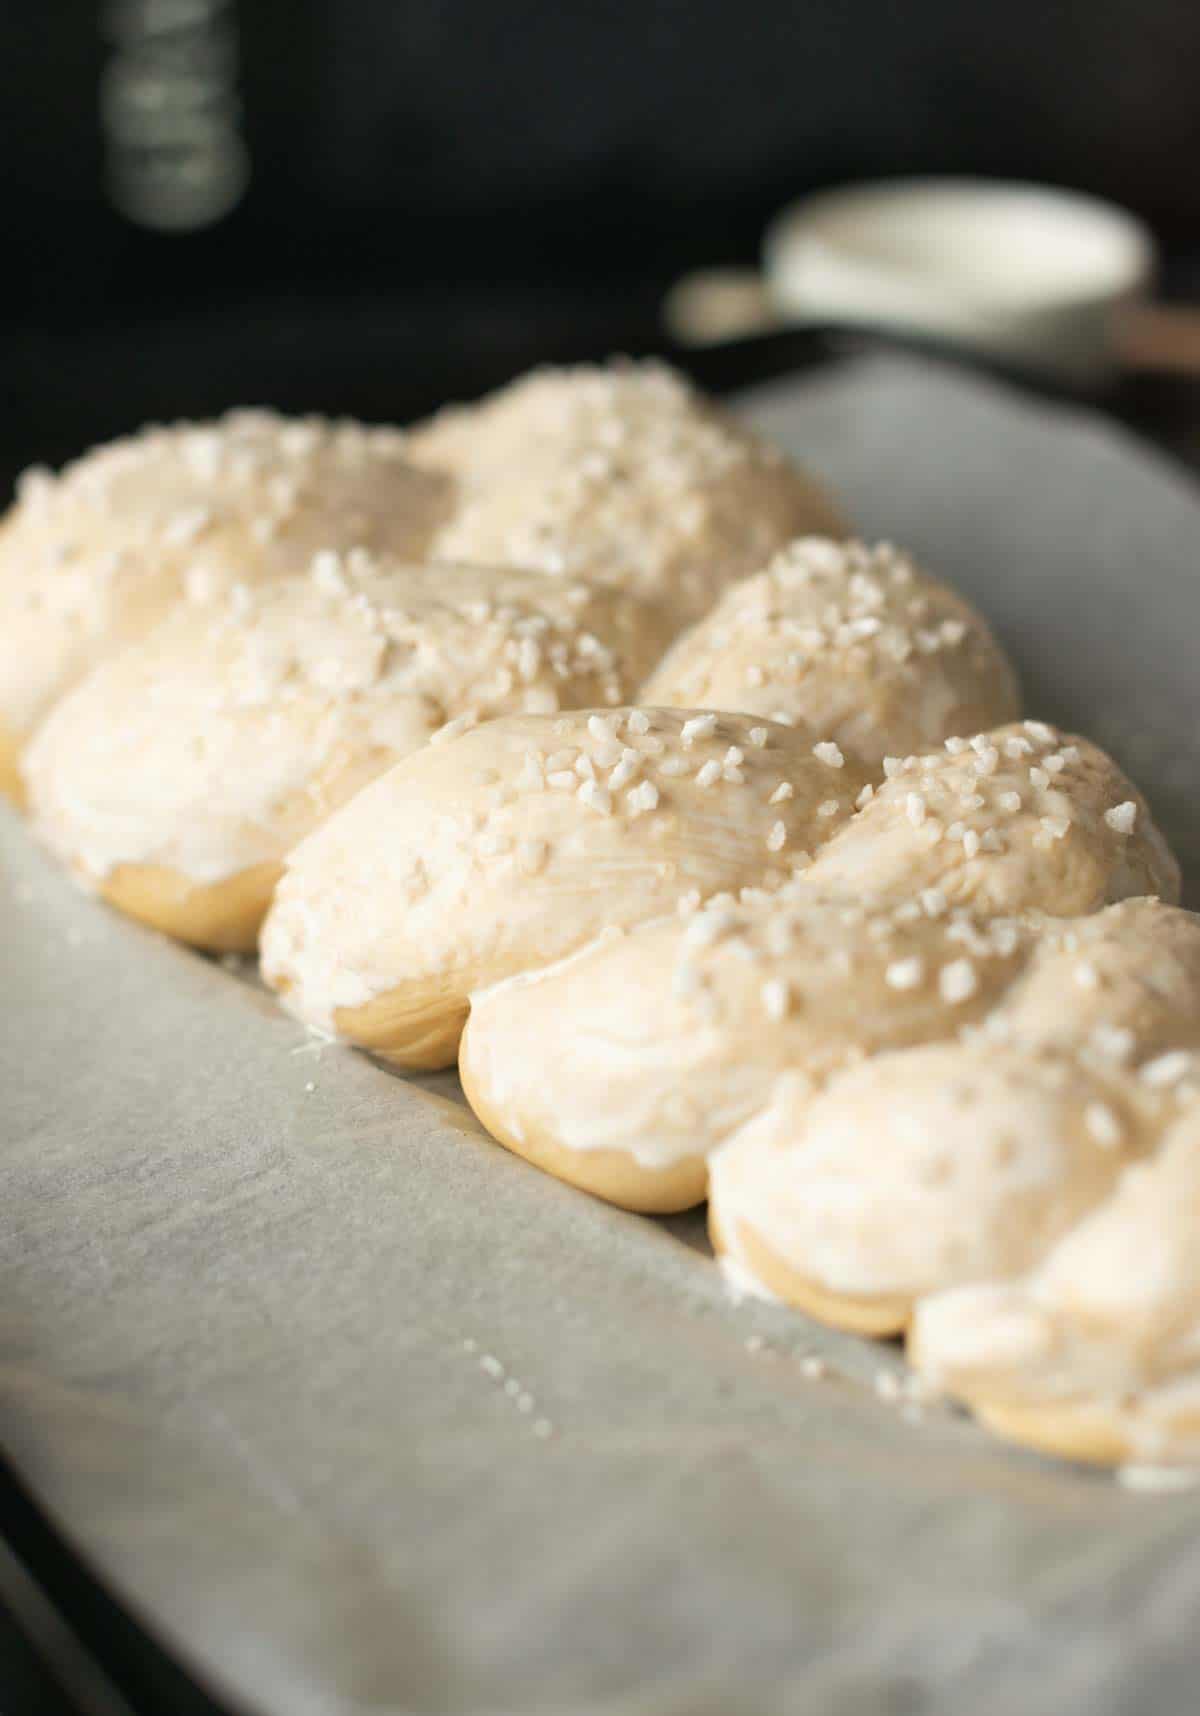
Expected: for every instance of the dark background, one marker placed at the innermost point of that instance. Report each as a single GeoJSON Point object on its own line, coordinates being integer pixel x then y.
{"type": "Point", "coordinates": [442, 192]}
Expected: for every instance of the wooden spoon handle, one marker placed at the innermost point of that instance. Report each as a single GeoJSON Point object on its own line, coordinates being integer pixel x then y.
{"type": "Point", "coordinates": [1160, 337]}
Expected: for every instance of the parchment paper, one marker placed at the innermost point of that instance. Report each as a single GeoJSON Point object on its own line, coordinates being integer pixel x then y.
{"type": "Point", "coordinates": [360, 1413]}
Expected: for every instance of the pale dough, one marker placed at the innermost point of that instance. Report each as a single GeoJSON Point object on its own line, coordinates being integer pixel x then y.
{"type": "Point", "coordinates": [177, 776]}
{"type": "Point", "coordinates": [857, 641]}
{"type": "Point", "coordinates": [509, 846]}
{"type": "Point", "coordinates": [92, 558]}
{"type": "Point", "coordinates": [1024, 1199]}
{"type": "Point", "coordinates": [621, 473]}
{"type": "Point", "coordinates": [668, 1040]}
{"type": "Point", "coordinates": [653, 1048]}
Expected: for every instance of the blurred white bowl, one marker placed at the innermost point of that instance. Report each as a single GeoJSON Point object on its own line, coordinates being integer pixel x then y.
{"type": "Point", "coordinates": [1031, 274]}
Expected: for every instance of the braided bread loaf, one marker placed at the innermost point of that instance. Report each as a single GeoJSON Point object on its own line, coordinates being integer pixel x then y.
{"type": "Point", "coordinates": [816, 927]}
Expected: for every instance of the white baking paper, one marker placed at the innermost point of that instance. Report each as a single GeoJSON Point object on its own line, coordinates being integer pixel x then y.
{"type": "Point", "coordinates": [359, 1413]}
